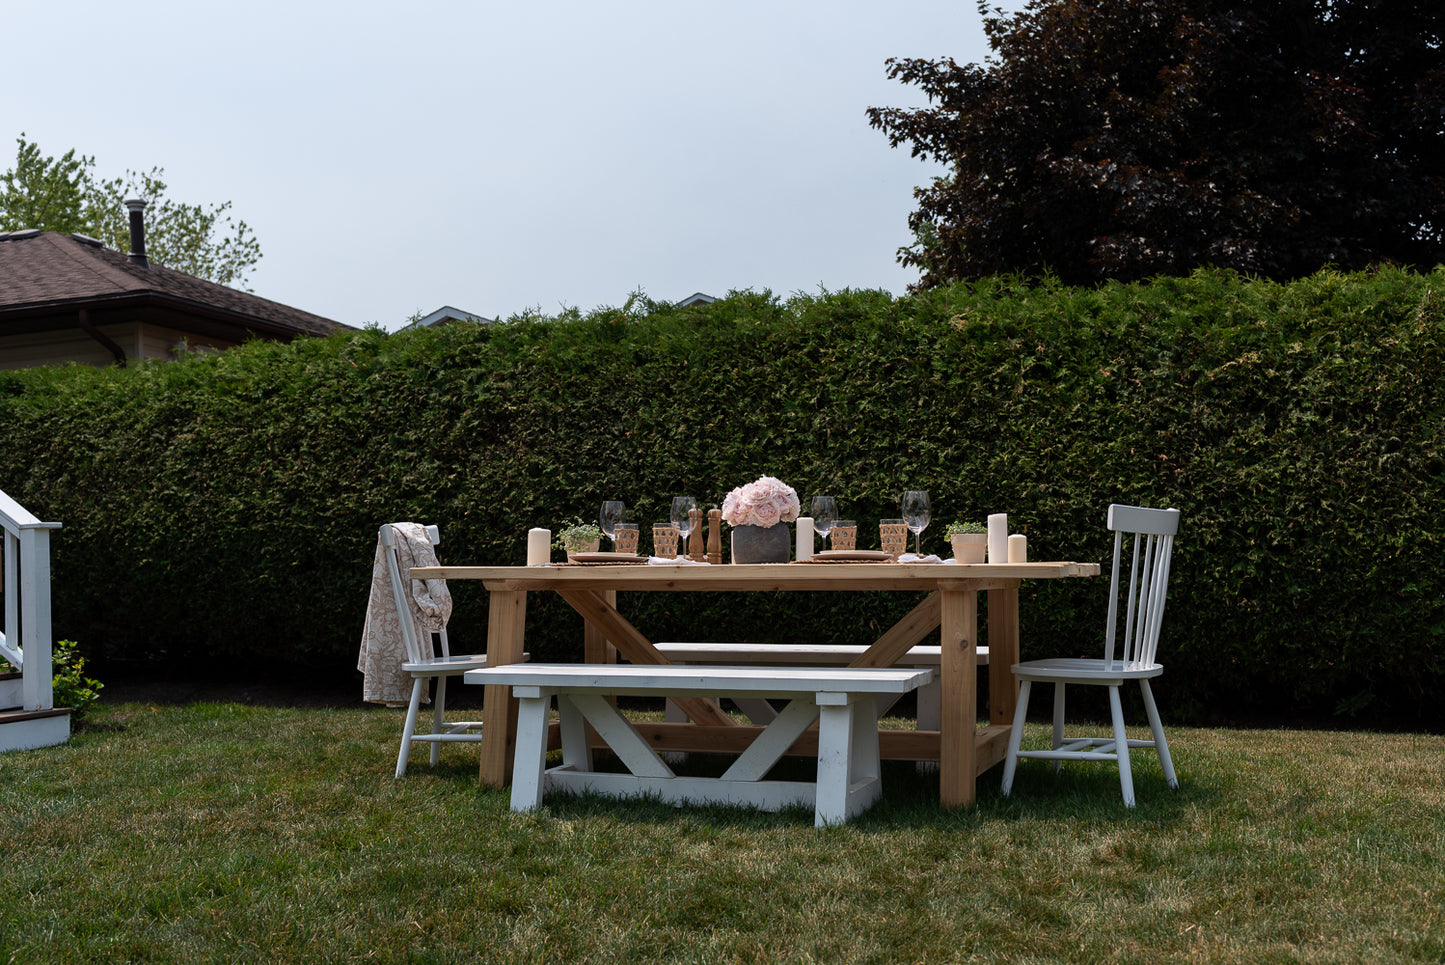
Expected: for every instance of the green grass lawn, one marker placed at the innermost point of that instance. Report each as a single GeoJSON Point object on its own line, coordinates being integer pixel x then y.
{"type": "Point", "coordinates": [236, 833]}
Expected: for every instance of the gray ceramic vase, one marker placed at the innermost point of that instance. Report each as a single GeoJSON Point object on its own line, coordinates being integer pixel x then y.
{"type": "Point", "coordinates": [762, 544]}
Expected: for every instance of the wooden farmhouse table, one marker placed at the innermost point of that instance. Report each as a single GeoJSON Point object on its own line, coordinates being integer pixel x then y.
{"type": "Point", "coordinates": [950, 609]}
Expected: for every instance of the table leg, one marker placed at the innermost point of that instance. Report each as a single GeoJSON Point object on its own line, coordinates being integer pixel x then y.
{"type": "Point", "coordinates": [630, 643]}
{"type": "Point", "coordinates": [596, 648]}
{"type": "Point", "coordinates": [959, 698]}
{"type": "Point", "coordinates": [506, 627]}
{"type": "Point", "coordinates": [1003, 653]}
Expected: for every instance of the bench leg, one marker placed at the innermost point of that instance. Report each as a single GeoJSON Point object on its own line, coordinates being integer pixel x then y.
{"type": "Point", "coordinates": [835, 752]}
{"type": "Point", "coordinates": [758, 710]}
{"type": "Point", "coordinates": [930, 705]}
{"type": "Point", "coordinates": [848, 767]}
{"type": "Point", "coordinates": [531, 753]}
{"type": "Point", "coordinates": [773, 743]}
{"type": "Point", "coordinates": [576, 748]}
{"type": "Point", "coordinates": [865, 759]}
{"type": "Point", "coordinates": [630, 747]}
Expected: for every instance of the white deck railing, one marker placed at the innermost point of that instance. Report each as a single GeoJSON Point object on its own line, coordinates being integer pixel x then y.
{"type": "Point", "coordinates": [26, 639]}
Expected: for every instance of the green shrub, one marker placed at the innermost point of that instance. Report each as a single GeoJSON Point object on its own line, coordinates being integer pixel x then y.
{"type": "Point", "coordinates": [224, 508]}
{"type": "Point", "coordinates": [70, 687]}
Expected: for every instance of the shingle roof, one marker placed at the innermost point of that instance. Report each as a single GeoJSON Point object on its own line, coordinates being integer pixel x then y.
{"type": "Point", "coordinates": [42, 273]}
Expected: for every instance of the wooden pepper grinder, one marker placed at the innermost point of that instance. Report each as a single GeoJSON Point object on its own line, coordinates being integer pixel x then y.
{"type": "Point", "coordinates": [714, 535]}
{"type": "Point", "coordinates": [694, 539]}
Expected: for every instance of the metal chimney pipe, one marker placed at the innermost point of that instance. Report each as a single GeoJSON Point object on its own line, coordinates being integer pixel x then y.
{"type": "Point", "coordinates": [137, 255]}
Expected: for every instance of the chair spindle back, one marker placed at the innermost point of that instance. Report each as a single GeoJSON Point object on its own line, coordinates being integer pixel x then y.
{"type": "Point", "coordinates": [400, 589]}
{"type": "Point", "coordinates": [1150, 535]}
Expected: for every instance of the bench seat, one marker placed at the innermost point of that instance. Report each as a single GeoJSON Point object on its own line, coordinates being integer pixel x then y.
{"type": "Point", "coordinates": [840, 699]}
{"type": "Point", "coordinates": [810, 654]}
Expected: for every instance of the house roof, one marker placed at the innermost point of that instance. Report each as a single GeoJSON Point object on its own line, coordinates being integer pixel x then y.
{"type": "Point", "coordinates": [446, 315]}
{"type": "Point", "coordinates": [47, 277]}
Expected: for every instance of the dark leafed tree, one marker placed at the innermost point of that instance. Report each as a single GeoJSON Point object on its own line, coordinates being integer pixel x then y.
{"type": "Point", "coordinates": [1129, 138]}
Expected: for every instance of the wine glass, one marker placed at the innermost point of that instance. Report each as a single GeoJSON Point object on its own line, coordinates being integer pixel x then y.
{"type": "Point", "coordinates": [825, 512]}
{"type": "Point", "coordinates": [684, 509]}
{"type": "Point", "coordinates": [611, 515]}
{"type": "Point", "coordinates": [915, 513]}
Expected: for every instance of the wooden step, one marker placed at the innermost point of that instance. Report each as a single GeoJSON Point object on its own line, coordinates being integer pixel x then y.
{"type": "Point", "coordinates": [27, 729]}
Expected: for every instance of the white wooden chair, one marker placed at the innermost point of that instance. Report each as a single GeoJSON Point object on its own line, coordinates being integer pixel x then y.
{"type": "Point", "coordinates": [427, 660]}
{"type": "Point", "coordinates": [1151, 533]}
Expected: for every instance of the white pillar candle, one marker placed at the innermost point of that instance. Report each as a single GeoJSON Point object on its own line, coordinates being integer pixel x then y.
{"type": "Point", "coordinates": [1018, 548]}
{"type": "Point", "coordinates": [998, 538]}
{"type": "Point", "coordinates": [805, 538]}
{"type": "Point", "coordinates": [539, 546]}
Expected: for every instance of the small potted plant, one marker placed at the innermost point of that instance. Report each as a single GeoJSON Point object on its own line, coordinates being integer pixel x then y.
{"type": "Point", "coordinates": [576, 536]}
{"type": "Point", "coordinates": [969, 541]}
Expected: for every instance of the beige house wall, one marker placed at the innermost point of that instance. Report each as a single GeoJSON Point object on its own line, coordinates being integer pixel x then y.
{"type": "Point", "coordinates": [159, 342]}
{"type": "Point", "coordinates": [52, 348]}
{"type": "Point", "coordinates": [137, 340]}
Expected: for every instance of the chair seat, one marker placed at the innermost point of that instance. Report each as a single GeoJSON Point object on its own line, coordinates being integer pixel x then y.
{"type": "Point", "coordinates": [1085, 668]}
{"type": "Point", "coordinates": [450, 666]}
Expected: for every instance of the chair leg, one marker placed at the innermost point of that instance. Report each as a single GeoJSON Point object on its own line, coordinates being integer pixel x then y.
{"type": "Point", "coordinates": [438, 710]}
{"type": "Point", "coordinates": [1121, 746]}
{"type": "Point", "coordinates": [1058, 722]}
{"type": "Point", "coordinates": [409, 729]}
{"type": "Point", "coordinates": [1015, 737]}
{"type": "Point", "coordinates": [1160, 744]}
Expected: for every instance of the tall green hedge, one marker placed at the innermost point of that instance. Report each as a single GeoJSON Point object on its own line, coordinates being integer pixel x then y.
{"type": "Point", "coordinates": [224, 508]}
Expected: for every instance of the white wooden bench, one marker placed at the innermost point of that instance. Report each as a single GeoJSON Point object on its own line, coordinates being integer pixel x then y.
{"type": "Point", "coordinates": [809, 655]}
{"type": "Point", "coordinates": [841, 699]}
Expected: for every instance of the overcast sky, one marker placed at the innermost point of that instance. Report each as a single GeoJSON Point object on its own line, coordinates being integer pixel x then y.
{"type": "Point", "coordinates": [393, 158]}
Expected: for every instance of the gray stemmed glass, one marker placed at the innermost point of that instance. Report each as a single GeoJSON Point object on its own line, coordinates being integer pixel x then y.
{"type": "Point", "coordinates": [683, 508]}
{"type": "Point", "coordinates": [916, 513]}
{"type": "Point", "coordinates": [608, 519]}
{"type": "Point", "coordinates": [825, 513]}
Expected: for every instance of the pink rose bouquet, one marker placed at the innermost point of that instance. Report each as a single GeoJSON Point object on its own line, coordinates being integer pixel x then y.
{"type": "Point", "coordinates": [766, 502]}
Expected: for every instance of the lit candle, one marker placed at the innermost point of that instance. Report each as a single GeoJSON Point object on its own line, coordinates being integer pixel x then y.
{"type": "Point", "coordinates": [998, 538]}
{"type": "Point", "coordinates": [539, 547]}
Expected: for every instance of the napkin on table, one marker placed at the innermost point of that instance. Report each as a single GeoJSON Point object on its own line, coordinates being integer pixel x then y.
{"type": "Point", "coordinates": [915, 558]}
{"type": "Point", "coordinates": [680, 561]}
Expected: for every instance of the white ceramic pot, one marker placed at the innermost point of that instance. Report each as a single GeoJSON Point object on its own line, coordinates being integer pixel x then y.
{"type": "Point", "coordinates": [969, 547]}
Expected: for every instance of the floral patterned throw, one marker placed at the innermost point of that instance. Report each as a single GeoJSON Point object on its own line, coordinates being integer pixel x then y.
{"type": "Point", "coordinates": [383, 649]}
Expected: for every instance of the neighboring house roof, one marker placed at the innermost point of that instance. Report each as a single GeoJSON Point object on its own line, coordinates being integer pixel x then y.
{"type": "Point", "coordinates": [446, 315]}
{"type": "Point", "coordinates": [696, 298]}
{"type": "Point", "coordinates": [47, 278]}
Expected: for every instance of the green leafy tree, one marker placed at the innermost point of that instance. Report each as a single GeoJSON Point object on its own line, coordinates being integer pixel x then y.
{"type": "Point", "coordinates": [1122, 140]}
{"type": "Point", "coordinates": [63, 194]}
